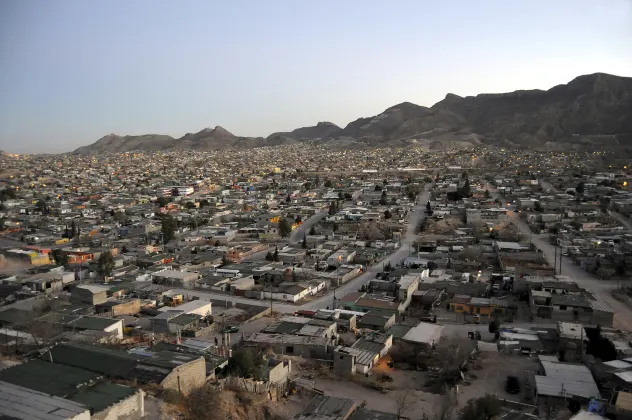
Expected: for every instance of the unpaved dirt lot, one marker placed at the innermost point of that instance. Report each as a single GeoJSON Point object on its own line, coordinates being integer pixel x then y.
{"type": "Point", "coordinates": [491, 379]}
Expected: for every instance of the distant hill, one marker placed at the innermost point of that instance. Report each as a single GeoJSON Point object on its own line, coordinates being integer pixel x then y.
{"type": "Point", "coordinates": [591, 109]}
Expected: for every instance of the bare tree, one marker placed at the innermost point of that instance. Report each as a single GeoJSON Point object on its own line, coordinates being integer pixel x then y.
{"type": "Point", "coordinates": [405, 401]}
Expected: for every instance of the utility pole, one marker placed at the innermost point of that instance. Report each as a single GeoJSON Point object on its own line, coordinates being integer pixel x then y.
{"type": "Point", "coordinates": [555, 262]}
{"type": "Point", "coordinates": [560, 260]}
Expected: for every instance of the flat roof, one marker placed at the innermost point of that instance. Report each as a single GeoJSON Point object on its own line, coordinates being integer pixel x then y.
{"type": "Point", "coordinates": [424, 333]}
{"type": "Point", "coordinates": [286, 339]}
{"type": "Point", "coordinates": [327, 408]}
{"type": "Point", "coordinates": [571, 330]}
{"type": "Point", "coordinates": [17, 402]}
{"type": "Point", "coordinates": [46, 377]}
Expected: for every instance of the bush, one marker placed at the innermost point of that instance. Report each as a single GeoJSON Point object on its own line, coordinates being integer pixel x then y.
{"type": "Point", "coordinates": [483, 408]}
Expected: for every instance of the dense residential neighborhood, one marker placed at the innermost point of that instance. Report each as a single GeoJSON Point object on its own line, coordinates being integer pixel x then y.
{"type": "Point", "coordinates": [340, 286]}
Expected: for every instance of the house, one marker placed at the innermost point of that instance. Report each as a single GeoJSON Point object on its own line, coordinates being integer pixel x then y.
{"type": "Point", "coordinates": [175, 278]}
{"type": "Point", "coordinates": [115, 308]}
{"type": "Point", "coordinates": [292, 345]}
{"type": "Point", "coordinates": [25, 404]}
{"type": "Point", "coordinates": [340, 257]}
{"type": "Point", "coordinates": [372, 347]}
{"type": "Point", "coordinates": [70, 388]}
{"type": "Point", "coordinates": [377, 321]}
{"type": "Point", "coordinates": [480, 306]}
{"type": "Point", "coordinates": [556, 382]}
{"type": "Point", "coordinates": [178, 371]}
{"type": "Point", "coordinates": [482, 216]}
{"type": "Point", "coordinates": [424, 334]}
{"type": "Point", "coordinates": [90, 294]}
{"type": "Point", "coordinates": [112, 326]}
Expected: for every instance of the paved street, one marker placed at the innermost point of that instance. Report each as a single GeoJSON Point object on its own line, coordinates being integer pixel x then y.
{"type": "Point", "coordinates": [322, 302]}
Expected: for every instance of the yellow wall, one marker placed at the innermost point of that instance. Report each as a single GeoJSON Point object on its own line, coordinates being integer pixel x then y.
{"type": "Point", "coordinates": [481, 310]}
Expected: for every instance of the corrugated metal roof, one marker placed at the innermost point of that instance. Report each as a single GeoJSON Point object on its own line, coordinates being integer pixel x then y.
{"type": "Point", "coordinates": [424, 333]}
{"type": "Point", "coordinates": [565, 379]}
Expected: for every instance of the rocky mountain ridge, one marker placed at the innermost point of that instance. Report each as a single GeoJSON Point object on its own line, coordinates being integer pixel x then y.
{"type": "Point", "coordinates": [590, 109]}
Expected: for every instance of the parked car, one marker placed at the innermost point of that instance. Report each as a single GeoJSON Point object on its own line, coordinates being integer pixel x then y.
{"type": "Point", "coordinates": [231, 329]}
{"type": "Point", "coordinates": [513, 385]}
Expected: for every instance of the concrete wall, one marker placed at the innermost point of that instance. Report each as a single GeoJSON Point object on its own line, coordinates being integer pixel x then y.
{"type": "Point", "coordinates": [344, 364]}
{"type": "Point", "coordinates": [280, 372]}
{"type": "Point", "coordinates": [131, 408]}
{"type": "Point", "coordinates": [186, 377]}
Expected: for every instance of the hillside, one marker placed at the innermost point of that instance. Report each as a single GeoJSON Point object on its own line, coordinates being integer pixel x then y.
{"type": "Point", "coordinates": [591, 109]}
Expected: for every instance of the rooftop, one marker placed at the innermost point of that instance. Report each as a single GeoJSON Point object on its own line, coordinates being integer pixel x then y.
{"type": "Point", "coordinates": [424, 333]}
{"type": "Point", "coordinates": [565, 380]}
{"type": "Point", "coordinates": [17, 402]}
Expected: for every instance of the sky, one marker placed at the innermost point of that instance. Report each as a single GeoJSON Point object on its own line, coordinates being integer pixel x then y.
{"type": "Point", "coordinates": [72, 71]}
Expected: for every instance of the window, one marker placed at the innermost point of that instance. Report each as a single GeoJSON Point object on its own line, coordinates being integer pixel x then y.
{"type": "Point", "coordinates": [342, 358]}
{"type": "Point", "coordinates": [289, 349]}
{"type": "Point", "coordinates": [478, 310]}
{"type": "Point", "coordinates": [562, 307]}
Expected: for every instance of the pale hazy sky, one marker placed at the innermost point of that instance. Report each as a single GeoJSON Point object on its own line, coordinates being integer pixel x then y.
{"type": "Point", "coordinates": [73, 71]}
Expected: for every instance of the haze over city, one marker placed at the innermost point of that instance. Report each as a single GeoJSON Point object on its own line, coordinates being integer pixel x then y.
{"type": "Point", "coordinates": [72, 71]}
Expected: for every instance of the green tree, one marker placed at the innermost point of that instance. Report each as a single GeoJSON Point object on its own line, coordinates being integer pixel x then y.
{"type": "Point", "coordinates": [579, 189]}
{"type": "Point", "coordinates": [333, 208]}
{"type": "Point", "coordinates": [285, 229]}
{"type": "Point", "coordinates": [163, 201]}
{"type": "Point", "coordinates": [42, 207]}
{"type": "Point", "coordinates": [487, 194]}
{"type": "Point", "coordinates": [328, 184]}
{"type": "Point", "coordinates": [304, 244]}
{"type": "Point", "coordinates": [387, 214]}
{"type": "Point", "coordinates": [269, 256]}
{"type": "Point", "coordinates": [105, 264]}
{"type": "Point", "coordinates": [245, 364]}
{"type": "Point", "coordinates": [225, 260]}
{"type": "Point", "coordinates": [483, 408]}
{"type": "Point", "coordinates": [169, 226]}
{"type": "Point", "coordinates": [73, 230]}
{"type": "Point", "coordinates": [312, 230]}
{"type": "Point", "coordinates": [59, 257]}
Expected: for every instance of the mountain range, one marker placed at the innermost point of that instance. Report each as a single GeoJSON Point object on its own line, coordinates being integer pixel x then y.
{"type": "Point", "coordinates": [593, 109]}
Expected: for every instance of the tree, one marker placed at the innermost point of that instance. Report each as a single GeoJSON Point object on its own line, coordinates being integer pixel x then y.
{"type": "Point", "coordinates": [328, 184]}
{"type": "Point", "coordinates": [105, 264]}
{"type": "Point", "coordinates": [487, 194]}
{"type": "Point", "coordinates": [312, 230]}
{"type": "Point", "coordinates": [204, 203]}
{"type": "Point", "coordinates": [483, 408]}
{"type": "Point", "coordinates": [304, 244]}
{"type": "Point", "coordinates": [333, 209]}
{"type": "Point", "coordinates": [493, 326]}
{"type": "Point", "coordinates": [59, 257]}
{"type": "Point", "coordinates": [288, 199]}
{"type": "Point", "coordinates": [175, 192]}
{"type": "Point", "coordinates": [169, 226]}
{"type": "Point", "coordinates": [42, 207]}
{"type": "Point", "coordinates": [203, 403]}
{"type": "Point", "coordinates": [124, 249]}
{"type": "Point", "coordinates": [388, 266]}
{"type": "Point", "coordinates": [269, 256]}
{"type": "Point", "coordinates": [579, 189]}
{"type": "Point", "coordinates": [298, 219]}
{"type": "Point", "coordinates": [163, 201]}
{"type": "Point", "coordinates": [428, 207]}
{"type": "Point", "coordinates": [225, 260]}
{"type": "Point", "coordinates": [431, 265]}
{"type": "Point", "coordinates": [341, 196]}
{"type": "Point", "coordinates": [405, 401]}
{"type": "Point", "coordinates": [284, 227]}
{"type": "Point", "coordinates": [387, 214]}
{"type": "Point", "coordinates": [378, 187]}
{"type": "Point", "coordinates": [275, 256]}
{"type": "Point", "coordinates": [316, 181]}
{"type": "Point", "coordinates": [190, 205]}
{"type": "Point", "coordinates": [73, 230]}
{"type": "Point", "coordinates": [348, 196]}
{"type": "Point", "coordinates": [245, 364]}
{"type": "Point", "coordinates": [537, 206]}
